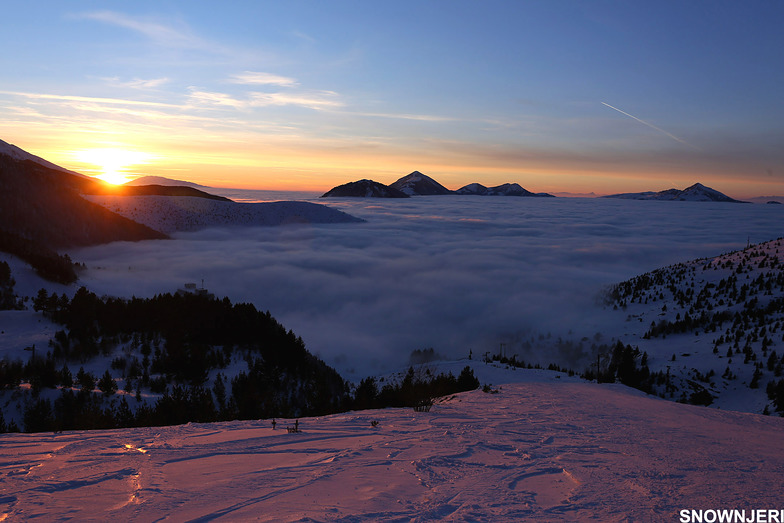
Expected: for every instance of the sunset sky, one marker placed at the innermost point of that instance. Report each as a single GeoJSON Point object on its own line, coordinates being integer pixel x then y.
{"type": "Point", "coordinates": [572, 96]}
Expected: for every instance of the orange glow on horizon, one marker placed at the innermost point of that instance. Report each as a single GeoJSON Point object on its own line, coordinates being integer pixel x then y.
{"type": "Point", "coordinates": [283, 166]}
{"type": "Point", "coordinates": [112, 163]}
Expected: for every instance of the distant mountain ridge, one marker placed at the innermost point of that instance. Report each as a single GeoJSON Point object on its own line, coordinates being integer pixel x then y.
{"type": "Point", "coordinates": [506, 189]}
{"type": "Point", "coordinates": [152, 190]}
{"type": "Point", "coordinates": [694, 193]}
{"type": "Point", "coordinates": [418, 184]}
{"type": "Point", "coordinates": [161, 180]}
{"type": "Point", "coordinates": [364, 189]}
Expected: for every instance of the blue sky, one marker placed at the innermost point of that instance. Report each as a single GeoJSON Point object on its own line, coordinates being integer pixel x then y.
{"type": "Point", "coordinates": [312, 94]}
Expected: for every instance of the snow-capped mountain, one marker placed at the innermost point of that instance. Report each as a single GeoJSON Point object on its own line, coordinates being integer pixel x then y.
{"type": "Point", "coordinates": [506, 189]}
{"type": "Point", "coordinates": [695, 193]}
{"type": "Point", "coordinates": [364, 189]}
{"type": "Point", "coordinates": [418, 184]}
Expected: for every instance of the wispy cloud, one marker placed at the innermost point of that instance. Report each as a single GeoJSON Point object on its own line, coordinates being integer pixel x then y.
{"type": "Point", "coordinates": [405, 116]}
{"type": "Point", "coordinates": [304, 36]}
{"type": "Point", "coordinates": [92, 99]}
{"type": "Point", "coordinates": [156, 31]}
{"type": "Point", "coordinates": [317, 100]}
{"type": "Point", "coordinates": [202, 98]}
{"type": "Point", "coordinates": [136, 83]}
{"type": "Point", "coordinates": [259, 78]}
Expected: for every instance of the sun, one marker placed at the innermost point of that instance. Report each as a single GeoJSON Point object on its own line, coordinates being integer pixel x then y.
{"type": "Point", "coordinates": [112, 163]}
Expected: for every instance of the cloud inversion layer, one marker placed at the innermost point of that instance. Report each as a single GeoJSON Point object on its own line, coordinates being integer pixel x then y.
{"type": "Point", "coordinates": [452, 273]}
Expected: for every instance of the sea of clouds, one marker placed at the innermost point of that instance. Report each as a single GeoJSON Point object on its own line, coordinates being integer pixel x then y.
{"type": "Point", "coordinates": [455, 273]}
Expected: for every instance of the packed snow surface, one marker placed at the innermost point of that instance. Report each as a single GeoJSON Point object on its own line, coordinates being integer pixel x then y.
{"type": "Point", "coordinates": [536, 451]}
{"type": "Point", "coordinates": [170, 214]}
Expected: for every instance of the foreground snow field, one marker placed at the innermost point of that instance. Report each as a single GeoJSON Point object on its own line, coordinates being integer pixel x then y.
{"type": "Point", "coordinates": [546, 451]}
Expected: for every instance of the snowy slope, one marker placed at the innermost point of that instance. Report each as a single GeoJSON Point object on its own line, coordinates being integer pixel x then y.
{"type": "Point", "coordinates": [531, 452]}
{"type": "Point", "coordinates": [182, 213]}
{"type": "Point", "coordinates": [736, 325]}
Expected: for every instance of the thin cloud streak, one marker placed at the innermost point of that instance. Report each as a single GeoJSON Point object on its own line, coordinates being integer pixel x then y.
{"type": "Point", "coordinates": [319, 100]}
{"type": "Point", "coordinates": [404, 116]}
{"type": "Point", "coordinates": [652, 126]}
{"type": "Point", "coordinates": [137, 83]}
{"type": "Point", "coordinates": [258, 78]}
{"type": "Point", "coordinates": [95, 99]}
{"type": "Point", "coordinates": [158, 32]}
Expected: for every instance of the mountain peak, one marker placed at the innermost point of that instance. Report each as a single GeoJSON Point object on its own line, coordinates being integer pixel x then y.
{"type": "Point", "coordinates": [418, 184]}
{"type": "Point", "coordinates": [505, 189]}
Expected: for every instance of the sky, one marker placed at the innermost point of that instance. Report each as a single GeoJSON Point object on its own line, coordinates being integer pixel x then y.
{"type": "Point", "coordinates": [588, 96]}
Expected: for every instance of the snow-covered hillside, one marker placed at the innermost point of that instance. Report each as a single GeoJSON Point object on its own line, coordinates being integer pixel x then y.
{"type": "Point", "coordinates": [182, 213]}
{"type": "Point", "coordinates": [714, 325]}
{"type": "Point", "coordinates": [530, 452]}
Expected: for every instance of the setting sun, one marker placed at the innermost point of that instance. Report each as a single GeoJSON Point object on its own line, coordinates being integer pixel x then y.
{"type": "Point", "coordinates": [112, 163]}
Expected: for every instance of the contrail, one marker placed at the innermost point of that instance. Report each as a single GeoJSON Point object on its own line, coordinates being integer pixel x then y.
{"type": "Point", "coordinates": [651, 126]}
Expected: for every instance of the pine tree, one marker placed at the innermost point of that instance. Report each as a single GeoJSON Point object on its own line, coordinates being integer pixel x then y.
{"type": "Point", "coordinates": [107, 384]}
